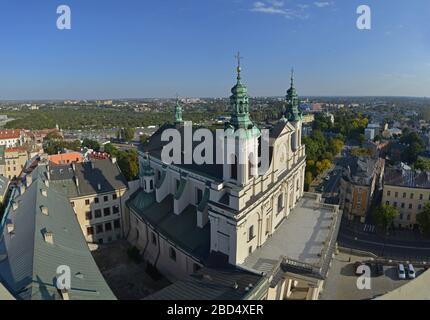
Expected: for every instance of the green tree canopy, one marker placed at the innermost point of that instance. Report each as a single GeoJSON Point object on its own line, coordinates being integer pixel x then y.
{"type": "Point", "coordinates": [423, 220]}
{"type": "Point", "coordinates": [384, 216]}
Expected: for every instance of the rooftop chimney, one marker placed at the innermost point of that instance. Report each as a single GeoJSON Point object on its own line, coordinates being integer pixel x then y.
{"type": "Point", "coordinates": [113, 160]}
{"type": "Point", "coordinates": [10, 228]}
{"type": "Point", "coordinates": [21, 189]}
{"type": "Point", "coordinates": [49, 237]}
{"type": "Point", "coordinates": [44, 192]}
{"type": "Point", "coordinates": [14, 206]}
{"type": "Point", "coordinates": [47, 183]}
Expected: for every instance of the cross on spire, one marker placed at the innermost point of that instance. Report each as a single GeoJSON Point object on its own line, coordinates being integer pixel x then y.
{"type": "Point", "coordinates": [292, 77]}
{"type": "Point", "coordinates": [239, 69]}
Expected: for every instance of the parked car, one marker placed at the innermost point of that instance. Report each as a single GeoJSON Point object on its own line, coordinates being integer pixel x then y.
{"type": "Point", "coordinates": [401, 271]}
{"type": "Point", "coordinates": [411, 271]}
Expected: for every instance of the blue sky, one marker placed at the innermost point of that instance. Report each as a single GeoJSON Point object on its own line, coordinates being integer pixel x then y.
{"type": "Point", "coordinates": [157, 48]}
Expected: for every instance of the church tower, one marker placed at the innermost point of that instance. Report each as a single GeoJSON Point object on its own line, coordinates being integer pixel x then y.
{"type": "Point", "coordinates": [147, 175]}
{"type": "Point", "coordinates": [241, 136]}
{"type": "Point", "coordinates": [178, 113]}
{"type": "Point", "coordinates": [293, 114]}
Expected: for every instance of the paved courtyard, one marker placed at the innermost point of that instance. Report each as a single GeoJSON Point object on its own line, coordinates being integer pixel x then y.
{"type": "Point", "coordinates": [341, 281]}
{"type": "Point", "coordinates": [127, 279]}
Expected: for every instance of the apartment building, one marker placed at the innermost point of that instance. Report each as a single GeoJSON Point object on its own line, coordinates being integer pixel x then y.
{"type": "Point", "coordinates": [11, 138]}
{"type": "Point", "coordinates": [358, 184]}
{"type": "Point", "coordinates": [95, 190]}
{"type": "Point", "coordinates": [15, 161]}
{"type": "Point", "coordinates": [407, 190]}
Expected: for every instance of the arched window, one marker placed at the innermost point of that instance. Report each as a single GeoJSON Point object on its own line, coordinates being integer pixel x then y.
{"type": "Point", "coordinates": [172, 254]}
{"type": "Point", "coordinates": [233, 168]}
{"type": "Point", "coordinates": [280, 202]}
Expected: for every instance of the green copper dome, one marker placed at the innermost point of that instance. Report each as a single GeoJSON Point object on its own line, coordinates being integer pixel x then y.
{"type": "Point", "coordinates": [239, 102]}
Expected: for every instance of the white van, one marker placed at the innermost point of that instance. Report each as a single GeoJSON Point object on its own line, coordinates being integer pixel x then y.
{"type": "Point", "coordinates": [401, 271]}
{"type": "Point", "coordinates": [411, 271]}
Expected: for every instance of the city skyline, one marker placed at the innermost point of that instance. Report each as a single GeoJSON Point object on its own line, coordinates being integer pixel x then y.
{"type": "Point", "coordinates": [152, 50]}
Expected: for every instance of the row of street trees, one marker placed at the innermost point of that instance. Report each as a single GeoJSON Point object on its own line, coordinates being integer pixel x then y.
{"type": "Point", "coordinates": [384, 217]}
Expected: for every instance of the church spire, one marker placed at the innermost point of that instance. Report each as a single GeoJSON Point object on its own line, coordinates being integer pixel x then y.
{"type": "Point", "coordinates": [292, 102]}
{"type": "Point", "coordinates": [178, 112]}
{"type": "Point", "coordinates": [239, 101]}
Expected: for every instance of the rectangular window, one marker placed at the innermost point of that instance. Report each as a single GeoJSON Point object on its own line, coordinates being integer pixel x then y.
{"type": "Point", "coordinates": [106, 212]}
{"type": "Point", "coordinates": [199, 196]}
{"type": "Point", "coordinates": [99, 228]}
{"type": "Point", "coordinates": [395, 204]}
{"type": "Point", "coordinates": [96, 200]}
{"type": "Point", "coordinates": [105, 198]}
{"type": "Point", "coordinates": [388, 193]}
{"type": "Point", "coordinates": [421, 196]}
{"type": "Point", "coordinates": [410, 206]}
{"type": "Point", "coordinates": [404, 194]}
{"type": "Point", "coordinates": [250, 250]}
{"type": "Point", "coordinates": [108, 226]}
{"type": "Point", "coordinates": [251, 233]}
{"type": "Point", "coordinates": [403, 205]}
{"type": "Point", "coordinates": [88, 215]}
{"type": "Point", "coordinates": [72, 204]}
{"type": "Point", "coordinates": [116, 224]}
{"type": "Point", "coordinates": [90, 231]}
{"type": "Point", "coordinates": [412, 195]}
{"type": "Point", "coordinates": [387, 203]}
{"type": "Point", "coordinates": [87, 202]}
{"type": "Point", "coordinates": [114, 196]}
{"type": "Point", "coordinates": [115, 209]}
{"type": "Point", "coordinates": [98, 213]}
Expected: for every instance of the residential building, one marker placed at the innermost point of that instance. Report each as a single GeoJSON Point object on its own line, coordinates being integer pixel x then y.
{"type": "Point", "coordinates": [40, 233]}
{"type": "Point", "coordinates": [261, 224]}
{"type": "Point", "coordinates": [11, 138]}
{"type": "Point", "coordinates": [66, 158]}
{"type": "Point", "coordinates": [359, 183]}
{"type": "Point", "coordinates": [95, 190]}
{"type": "Point", "coordinates": [408, 191]}
{"type": "Point", "coordinates": [15, 160]}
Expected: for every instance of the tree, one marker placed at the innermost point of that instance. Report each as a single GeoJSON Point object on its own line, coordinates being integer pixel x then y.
{"type": "Point", "coordinates": [422, 164]}
{"type": "Point", "coordinates": [128, 134]}
{"type": "Point", "coordinates": [128, 162]}
{"type": "Point", "coordinates": [423, 220]}
{"type": "Point", "coordinates": [110, 148]}
{"type": "Point", "coordinates": [143, 138]}
{"type": "Point", "coordinates": [308, 180]}
{"type": "Point", "coordinates": [91, 144]}
{"type": "Point", "coordinates": [384, 216]}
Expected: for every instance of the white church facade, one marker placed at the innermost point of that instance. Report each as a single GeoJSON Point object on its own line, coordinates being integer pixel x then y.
{"type": "Point", "coordinates": [187, 217]}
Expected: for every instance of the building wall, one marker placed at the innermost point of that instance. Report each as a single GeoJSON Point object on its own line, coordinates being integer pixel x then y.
{"type": "Point", "coordinates": [408, 202]}
{"type": "Point", "coordinates": [241, 234]}
{"type": "Point", "coordinates": [157, 250]}
{"type": "Point", "coordinates": [96, 229]}
{"type": "Point", "coordinates": [14, 163]}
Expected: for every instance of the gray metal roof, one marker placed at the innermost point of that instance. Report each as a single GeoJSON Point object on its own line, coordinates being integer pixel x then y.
{"type": "Point", "coordinates": [96, 177]}
{"type": "Point", "coordinates": [181, 229]}
{"type": "Point", "coordinates": [29, 265]}
{"type": "Point", "coordinates": [228, 283]}
{"type": "Point", "coordinates": [403, 177]}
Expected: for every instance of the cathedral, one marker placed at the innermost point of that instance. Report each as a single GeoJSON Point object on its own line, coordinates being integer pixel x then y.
{"type": "Point", "coordinates": [257, 236]}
